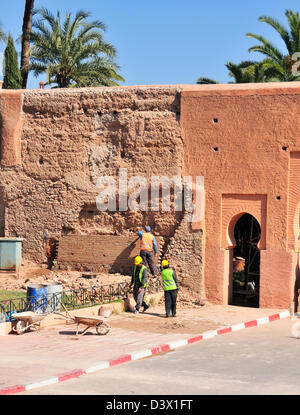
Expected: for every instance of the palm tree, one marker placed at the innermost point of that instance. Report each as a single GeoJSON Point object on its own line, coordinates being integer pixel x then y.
{"type": "Point", "coordinates": [206, 81]}
{"type": "Point", "coordinates": [27, 26]}
{"type": "Point", "coordinates": [73, 53]}
{"type": "Point", "coordinates": [252, 72]}
{"type": "Point", "coordinates": [248, 72]}
{"type": "Point", "coordinates": [281, 62]}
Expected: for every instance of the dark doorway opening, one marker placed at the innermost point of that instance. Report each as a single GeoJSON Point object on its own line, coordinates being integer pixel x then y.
{"type": "Point", "coordinates": [246, 262]}
{"type": "Point", "coordinates": [51, 251]}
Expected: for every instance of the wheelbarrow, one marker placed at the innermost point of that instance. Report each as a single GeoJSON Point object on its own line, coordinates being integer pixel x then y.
{"type": "Point", "coordinates": [27, 320]}
{"type": "Point", "coordinates": [101, 326]}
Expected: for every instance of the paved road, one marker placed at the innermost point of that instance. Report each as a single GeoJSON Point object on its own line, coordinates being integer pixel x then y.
{"type": "Point", "coordinates": [260, 360]}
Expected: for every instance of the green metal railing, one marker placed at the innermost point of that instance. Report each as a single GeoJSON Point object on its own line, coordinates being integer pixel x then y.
{"type": "Point", "coordinates": [72, 299]}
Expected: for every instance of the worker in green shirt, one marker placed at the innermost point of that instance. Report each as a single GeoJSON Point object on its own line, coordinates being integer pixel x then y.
{"type": "Point", "coordinates": [170, 285]}
{"type": "Point", "coordinates": [139, 281]}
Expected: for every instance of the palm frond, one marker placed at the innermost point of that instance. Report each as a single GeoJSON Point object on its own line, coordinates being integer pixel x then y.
{"type": "Point", "coordinates": [278, 65]}
{"type": "Point", "coordinates": [206, 81]}
{"type": "Point", "coordinates": [46, 15]}
{"type": "Point", "coordinates": [283, 32]}
{"type": "Point", "coordinates": [266, 47]}
{"type": "Point", "coordinates": [294, 24]}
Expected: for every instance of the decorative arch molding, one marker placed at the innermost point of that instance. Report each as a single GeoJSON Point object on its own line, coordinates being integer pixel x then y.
{"type": "Point", "coordinates": [294, 201]}
{"type": "Point", "coordinates": [296, 228]}
{"type": "Point", "coordinates": [235, 206]}
{"type": "Point", "coordinates": [230, 229]}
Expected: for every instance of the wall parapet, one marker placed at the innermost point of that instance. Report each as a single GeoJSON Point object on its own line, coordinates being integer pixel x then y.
{"type": "Point", "coordinates": [11, 127]}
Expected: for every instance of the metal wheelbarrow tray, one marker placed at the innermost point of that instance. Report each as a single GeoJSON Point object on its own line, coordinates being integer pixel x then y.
{"type": "Point", "coordinates": [27, 320]}
{"type": "Point", "coordinates": [101, 326]}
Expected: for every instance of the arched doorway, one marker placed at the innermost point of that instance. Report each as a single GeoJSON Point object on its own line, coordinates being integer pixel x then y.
{"type": "Point", "coordinates": [246, 262]}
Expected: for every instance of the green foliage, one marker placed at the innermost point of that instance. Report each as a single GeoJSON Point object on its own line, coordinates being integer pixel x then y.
{"type": "Point", "coordinates": [277, 65]}
{"type": "Point", "coordinates": [251, 71]}
{"type": "Point", "coordinates": [248, 72]}
{"type": "Point", "coordinates": [115, 311]}
{"type": "Point", "coordinates": [72, 53]}
{"type": "Point", "coordinates": [281, 62]}
{"type": "Point", "coordinates": [11, 295]}
{"type": "Point", "coordinates": [206, 81]}
{"type": "Point", "coordinates": [12, 76]}
{"type": "Point", "coordinates": [152, 302]}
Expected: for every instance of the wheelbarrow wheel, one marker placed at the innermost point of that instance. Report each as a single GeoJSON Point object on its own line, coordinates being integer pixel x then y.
{"type": "Point", "coordinates": [20, 327]}
{"type": "Point", "coordinates": [102, 329]}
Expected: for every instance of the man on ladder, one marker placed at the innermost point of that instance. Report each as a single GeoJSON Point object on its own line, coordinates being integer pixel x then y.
{"type": "Point", "coordinates": [148, 248]}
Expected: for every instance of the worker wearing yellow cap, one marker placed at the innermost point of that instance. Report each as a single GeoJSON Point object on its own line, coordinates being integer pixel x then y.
{"type": "Point", "coordinates": [170, 285]}
{"type": "Point", "coordinates": [139, 281]}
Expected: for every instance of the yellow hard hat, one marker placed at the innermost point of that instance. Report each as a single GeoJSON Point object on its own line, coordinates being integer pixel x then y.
{"type": "Point", "coordinates": [164, 263]}
{"type": "Point", "coordinates": [138, 260]}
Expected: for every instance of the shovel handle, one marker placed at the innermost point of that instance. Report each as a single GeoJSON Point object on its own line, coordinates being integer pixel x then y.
{"type": "Point", "coordinates": [64, 307]}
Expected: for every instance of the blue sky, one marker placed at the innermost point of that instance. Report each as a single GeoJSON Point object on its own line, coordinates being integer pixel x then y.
{"type": "Point", "coordinates": [169, 41]}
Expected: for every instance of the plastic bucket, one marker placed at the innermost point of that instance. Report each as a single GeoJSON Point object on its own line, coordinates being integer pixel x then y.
{"type": "Point", "coordinates": [54, 293]}
{"type": "Point", "coordinates": [37, 298]}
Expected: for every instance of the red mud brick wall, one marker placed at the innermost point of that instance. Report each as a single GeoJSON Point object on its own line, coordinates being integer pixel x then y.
{"type": "Point", "coordinates": [239, 137]}
{"type": "Point", "coordinates": [100, 252]}
{"type": "Point", "coordinates": [11, 124]}
{"type": "Point", "coordinates": [71, 137]}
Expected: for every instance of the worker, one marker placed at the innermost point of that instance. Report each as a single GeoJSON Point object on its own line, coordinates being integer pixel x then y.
{"type": "Point", "coordinates": [147, 247]}
{"type": "Point", "coordinates": [171, 287]}
{"type": "Point", "coordinates": [139, 282]}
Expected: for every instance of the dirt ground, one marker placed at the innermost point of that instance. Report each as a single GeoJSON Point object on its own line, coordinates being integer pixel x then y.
{"type": "Point", "coordinates": [154, 321]}
{"type": "Point", "coordinates": [31, 273]}
{"type": "Point", "coordinates": [191, 316]}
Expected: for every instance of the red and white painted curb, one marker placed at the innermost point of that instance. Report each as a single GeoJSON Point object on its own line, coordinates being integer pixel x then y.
{"type": "Point", "coordinates": [143, 353]}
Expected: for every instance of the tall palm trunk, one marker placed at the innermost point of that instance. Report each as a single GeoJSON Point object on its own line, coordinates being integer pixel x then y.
{"type": "Point", "coordinates": [26, 30]}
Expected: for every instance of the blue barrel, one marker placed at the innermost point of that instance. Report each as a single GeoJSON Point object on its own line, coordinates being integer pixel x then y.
{"type": "Point", "coordinates": [54, 293]}
{"type": "Point", "coordinates": [37, 298]}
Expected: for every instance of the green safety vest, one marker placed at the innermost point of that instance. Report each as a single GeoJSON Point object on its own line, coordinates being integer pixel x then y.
{"type": "Point", "coordinates": [168, 280]}
{"type": "Point", "coordinates": [140, 274]}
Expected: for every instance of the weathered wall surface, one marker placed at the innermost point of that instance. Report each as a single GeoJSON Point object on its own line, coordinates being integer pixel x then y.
{"type": "Point", "coordinates": [184, 252]}
{"type": "Point", "coordinates": [243, 139]}
{"type": "Point", "coordinates": [71, 137]}
{"type": "Point", "coordinates": [11, 124]}
{"type": "Point", "coordinates": [109, 253]}
{"type": "Point", "coordinates": [240, 137]}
